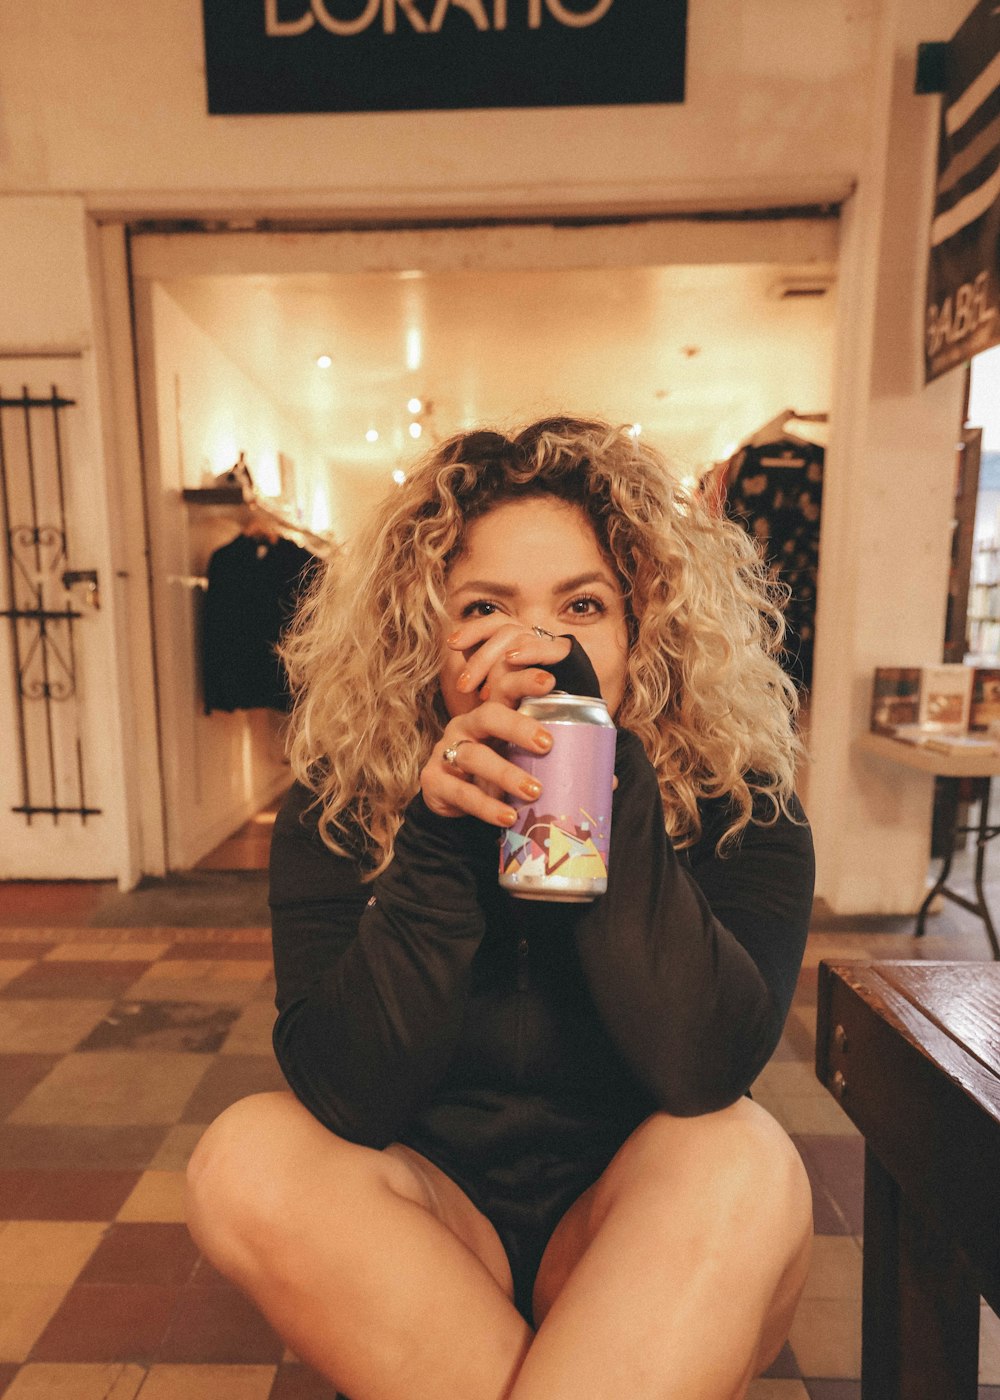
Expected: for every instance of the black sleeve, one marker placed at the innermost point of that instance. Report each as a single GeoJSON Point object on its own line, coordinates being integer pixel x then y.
{"type": "Point", "coordinates": [693, 968]}
{"type": "Point", "coordinates": [372, 979]}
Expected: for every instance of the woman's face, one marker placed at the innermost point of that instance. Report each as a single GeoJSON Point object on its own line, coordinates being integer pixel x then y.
{"type": "Point", "coordinates": [537, 562]}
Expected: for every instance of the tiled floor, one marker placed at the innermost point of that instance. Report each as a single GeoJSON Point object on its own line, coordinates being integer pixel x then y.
{"type": "Point", "coordinates": [117, 1046]}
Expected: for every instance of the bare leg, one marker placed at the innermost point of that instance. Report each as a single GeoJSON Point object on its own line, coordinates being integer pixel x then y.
{"type": "Point", "coordinates": [676, 1276]}
{"type": "Point", "coordinates": [374, 1266]}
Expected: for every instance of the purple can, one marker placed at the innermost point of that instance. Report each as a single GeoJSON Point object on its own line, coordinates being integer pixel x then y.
{"type": "Point", "coordinates": [558, 847]}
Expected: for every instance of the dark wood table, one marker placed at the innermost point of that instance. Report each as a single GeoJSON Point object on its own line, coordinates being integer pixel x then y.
{"type": "Point", "coordinates": [911, 1051]}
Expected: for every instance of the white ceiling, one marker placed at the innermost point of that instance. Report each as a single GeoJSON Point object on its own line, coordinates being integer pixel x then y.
{"type": "Point", "coordinates": [700, 356]}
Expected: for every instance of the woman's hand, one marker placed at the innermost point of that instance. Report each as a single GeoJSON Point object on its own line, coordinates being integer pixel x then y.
{"type": "Point", "coordinates": [465, 774]}
{"type": "Point", "coordinates": [504, 659]}
{"type": "Point", "coordinates": [494, 663]}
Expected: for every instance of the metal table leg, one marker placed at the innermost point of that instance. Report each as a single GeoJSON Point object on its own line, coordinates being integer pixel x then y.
{"type": "Point", "coordinates": [983, 832]}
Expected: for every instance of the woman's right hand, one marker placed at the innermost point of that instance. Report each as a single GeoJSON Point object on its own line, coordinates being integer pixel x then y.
{"type": "Point", "coordinates": [466, 775]}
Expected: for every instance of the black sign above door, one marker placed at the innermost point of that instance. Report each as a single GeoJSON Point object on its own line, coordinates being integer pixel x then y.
{"type": "Point", "coordinates": [272, 56]}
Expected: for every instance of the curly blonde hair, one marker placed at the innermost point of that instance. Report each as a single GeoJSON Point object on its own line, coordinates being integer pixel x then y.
{"type": "Point", "coordinates": [703, 691]}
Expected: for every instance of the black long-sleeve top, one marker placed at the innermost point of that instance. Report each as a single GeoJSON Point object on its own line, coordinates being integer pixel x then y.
{"type": "Point", "coordinates": [431, 1007]}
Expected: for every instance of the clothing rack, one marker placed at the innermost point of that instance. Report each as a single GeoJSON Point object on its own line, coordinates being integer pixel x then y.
{"type": "Point", "coordinates": [236, 487]}
{"type": "Point", "coordinates": [775, 428]}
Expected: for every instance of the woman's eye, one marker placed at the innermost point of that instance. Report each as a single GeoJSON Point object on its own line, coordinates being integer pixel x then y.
{"type": "Point", "coordinates": [480, 608]}
{"type": "Point", "coordinates": [586, 607]}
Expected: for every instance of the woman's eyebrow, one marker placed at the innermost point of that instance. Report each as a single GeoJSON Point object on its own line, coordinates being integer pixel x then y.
{"type": "Point", "coordinates": [508, 590]}
{"type": "Point", "coordinates": [484, 585]}
{"type": "Point", "coordinates": [579, 580]}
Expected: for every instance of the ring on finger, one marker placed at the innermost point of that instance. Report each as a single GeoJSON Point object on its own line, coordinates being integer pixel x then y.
{"type": "Point", "coordinates": [541, 632]}
{"type": "Point", "coordinates": [450, 755]}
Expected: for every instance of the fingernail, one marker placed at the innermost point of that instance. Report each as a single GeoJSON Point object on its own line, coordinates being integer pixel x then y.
{"type": "Point", "coordinates": [453, 639]}
{"type": "Point", "coordinates": [507, 816]}
{"type": "Point", "coordinates": [464, 681]}
{"type": "Point", "coordinates": [512, 655]}
{"type": "Point", "coordinates": [541, 677]}
{"type": "Point", "coordinates": [531, 788]}
{"type": "Point", "coordinates": [543, 739]}
{"type": "Point", "coordinates": [484, 692]}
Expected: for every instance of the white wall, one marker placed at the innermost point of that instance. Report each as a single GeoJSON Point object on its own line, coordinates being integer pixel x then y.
{"type": "Point", "coordinates": [47, 332]}
{"type": "Point", "coordinates": [200, 411]}
{"type": "Point", "coordinates": [776, 112]}
{"type": "Point", "coordinates": [888, 496]}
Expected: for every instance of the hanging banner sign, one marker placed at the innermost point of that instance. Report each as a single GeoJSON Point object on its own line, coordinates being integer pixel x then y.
{"type": "Point", "coordinates": [434, 55]}
{"type": "Point", "coordinates": [963, 281]}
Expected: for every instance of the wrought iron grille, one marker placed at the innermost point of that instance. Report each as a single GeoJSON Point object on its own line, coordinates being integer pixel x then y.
{"type": "Point", "coordinates": [39, 607]}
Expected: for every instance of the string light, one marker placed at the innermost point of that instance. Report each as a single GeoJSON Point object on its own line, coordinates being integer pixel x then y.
{"type": "Point", "coordinates": [415, 430]}
{"type": "Point", "coordinates": [635, 430]}
{"type": "Point", "coordinates": [399, 476]}
{"type": "Point", "coordinates": [371, 435]}
{"type": "Point", "coordinates": [415, 405]}
{"type": "Point", "coordinates": [324, 361]}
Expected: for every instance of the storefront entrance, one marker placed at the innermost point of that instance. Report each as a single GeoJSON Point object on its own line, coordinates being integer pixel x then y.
{"type": "Point", "coordinates": [328, 360]}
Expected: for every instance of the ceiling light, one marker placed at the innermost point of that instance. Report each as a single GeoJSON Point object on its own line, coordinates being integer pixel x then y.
{"type": "Point", "coordinates": [414, 405]}
{"type": "Point", "coordinates": [324, 361]}
{"type": "Point", "coordinates": [399, 476]}
{"type": "Point", "coordinates": [371, 435]}
{"type": "Point", "coordinates": [415, 430]}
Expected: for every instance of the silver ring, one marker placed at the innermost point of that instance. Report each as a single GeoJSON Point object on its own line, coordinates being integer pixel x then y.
{"type": "Point", "coordinates": [541, 632]}
{"type": "Point", "coordinates": [450, 755]}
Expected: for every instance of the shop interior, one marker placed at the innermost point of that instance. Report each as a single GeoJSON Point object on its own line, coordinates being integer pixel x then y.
{"type": "Point", "coordinates": [320, 388]}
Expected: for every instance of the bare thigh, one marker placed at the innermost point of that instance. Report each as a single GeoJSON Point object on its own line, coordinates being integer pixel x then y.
{"type": "Point", "coordinates": [583, 1220]}
{"type": "Point", "coordinates": [447, 1202]}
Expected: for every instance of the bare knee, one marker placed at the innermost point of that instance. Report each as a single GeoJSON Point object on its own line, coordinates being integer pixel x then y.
{"type": "Point", "coordinates": [251, 1182]}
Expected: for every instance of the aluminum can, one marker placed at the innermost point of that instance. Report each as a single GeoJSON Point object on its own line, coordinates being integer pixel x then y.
{"type": "Point", "coordinates": [558, 847]}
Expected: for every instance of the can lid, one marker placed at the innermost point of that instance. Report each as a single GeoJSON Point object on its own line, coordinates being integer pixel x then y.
{"type": "Point", "coordinates": [570, 709]}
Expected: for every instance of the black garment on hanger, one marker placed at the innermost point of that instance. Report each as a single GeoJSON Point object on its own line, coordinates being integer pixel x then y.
{"type": "Point", "coordinates": [776, 494]}
{"type": "Point", "coordinates": [253, 586]}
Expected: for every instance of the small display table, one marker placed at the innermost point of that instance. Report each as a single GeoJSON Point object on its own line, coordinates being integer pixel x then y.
{"type": "Point", "coordinates": [975, 768]}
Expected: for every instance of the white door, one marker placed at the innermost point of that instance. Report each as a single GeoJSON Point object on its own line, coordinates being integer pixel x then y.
{"type": "Point", "coordinates": [60, 751]}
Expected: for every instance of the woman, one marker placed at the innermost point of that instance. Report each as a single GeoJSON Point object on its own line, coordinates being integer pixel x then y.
{"type": "Point", "coordinates": [517, 1159]}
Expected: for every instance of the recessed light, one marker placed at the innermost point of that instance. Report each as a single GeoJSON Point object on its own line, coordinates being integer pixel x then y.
{"type": "Point", "coordinates": [371, 435]}
{"type": "Point", "coordinates": [415, 430]}
{"type": "Point", "coordinates": [414, 405]}
{"type": "Point", "coordinates": [399, 476]}
{"type": "Point", "coordinates": [324, 361]}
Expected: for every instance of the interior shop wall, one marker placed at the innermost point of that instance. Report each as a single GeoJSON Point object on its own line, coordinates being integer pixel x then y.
{"type": "Point", "coordinates": [776, 112]}
{"type": "Point", "coordinates": [221, 768]}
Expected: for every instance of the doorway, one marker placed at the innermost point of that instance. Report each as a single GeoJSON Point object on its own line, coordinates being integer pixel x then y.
{"type": "Point", "coordinates": [328, 360]}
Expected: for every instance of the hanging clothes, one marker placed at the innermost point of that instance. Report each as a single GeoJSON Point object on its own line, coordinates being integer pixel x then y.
{"type": "Point", "coordinates": [253, 585]}
{"type": "Point", "coordinates": [775, 491]}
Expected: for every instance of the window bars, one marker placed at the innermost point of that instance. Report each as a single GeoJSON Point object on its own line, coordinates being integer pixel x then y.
{"type": "Point", "coordinates": [39, 607]}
